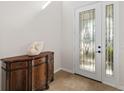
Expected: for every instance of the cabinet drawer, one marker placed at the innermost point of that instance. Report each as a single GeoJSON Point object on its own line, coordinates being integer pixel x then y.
{"type": "Point", "coordinates": [19, 65]}
{"type": "Point", "coordinates": [38, 61]}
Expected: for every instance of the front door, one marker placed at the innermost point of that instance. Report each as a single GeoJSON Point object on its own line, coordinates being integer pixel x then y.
{"type": "Point", "coordinates": [88, 45]}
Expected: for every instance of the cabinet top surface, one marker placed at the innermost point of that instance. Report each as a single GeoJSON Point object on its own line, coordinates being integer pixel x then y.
{"type": "Point", "coordinates": [23, 58]}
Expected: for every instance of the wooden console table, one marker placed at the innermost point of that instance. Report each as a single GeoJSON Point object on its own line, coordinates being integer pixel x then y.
{"type": "Point", "coordinates": [28, 72]}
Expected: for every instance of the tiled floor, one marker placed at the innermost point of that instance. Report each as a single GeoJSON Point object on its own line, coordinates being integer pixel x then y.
{"type": "Point", "coordinates": [65, 81]}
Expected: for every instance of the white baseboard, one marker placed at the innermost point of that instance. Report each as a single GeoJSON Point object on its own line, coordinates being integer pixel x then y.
{"type": "Point", "coordinates": [67, 70]}
{"type": "Point", "coordinates": [64, 69]}
{"type": "Point", "coordinates": [57, 70]}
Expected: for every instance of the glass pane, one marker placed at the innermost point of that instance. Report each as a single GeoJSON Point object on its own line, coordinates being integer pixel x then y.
{"type": "Point", "coordinates": [109, 39]}
{"type": "Point", "coordinates": [87, 40]}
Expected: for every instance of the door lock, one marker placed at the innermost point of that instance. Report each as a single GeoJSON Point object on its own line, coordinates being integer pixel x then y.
{"type": "Point", "coordinates": [99, 46]}
{"type": "Point", "coordinates": [99, 51]}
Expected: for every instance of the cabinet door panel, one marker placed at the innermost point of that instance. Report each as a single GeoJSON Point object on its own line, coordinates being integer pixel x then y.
{"type": "Point", "coordinates": [50, 67]}
{"type": "Point", "coordinates": [39, 77]}
{"type": "Point", "coordinates": [19, 80]}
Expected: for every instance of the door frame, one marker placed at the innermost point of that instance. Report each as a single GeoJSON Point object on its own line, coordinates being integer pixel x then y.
{"type": "Point", "coordinates": [114, 81]}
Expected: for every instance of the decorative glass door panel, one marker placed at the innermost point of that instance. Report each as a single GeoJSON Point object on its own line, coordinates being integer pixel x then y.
{"type": "Point", "coordinates": [87, 40]}
{"type": "Point", "coordinates": [109, 39]}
